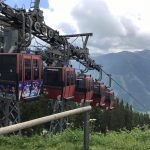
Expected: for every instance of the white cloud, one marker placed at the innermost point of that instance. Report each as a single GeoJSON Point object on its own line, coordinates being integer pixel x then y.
{"type": "Point", "coordinates": [59, 14]}
{"type": "Point", "coordinates": [116, 24]}
{"type": "Point", "coordinates": [137, 10]}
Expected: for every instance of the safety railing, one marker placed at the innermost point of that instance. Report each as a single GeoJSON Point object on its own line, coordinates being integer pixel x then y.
{"type": "Point", "coordinates": [31, 123]}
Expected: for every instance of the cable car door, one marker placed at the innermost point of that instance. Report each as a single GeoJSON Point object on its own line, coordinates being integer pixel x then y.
{"type": "Point", "coordinates": [27, 76]}
{"type": "Point", "coordinates": [36, 77]}
{"type": "Point", "coordinates": [66, 82]}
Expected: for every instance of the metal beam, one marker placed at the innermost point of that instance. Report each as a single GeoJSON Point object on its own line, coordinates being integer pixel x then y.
{"type": "Point", "coordinates": [77, 35]}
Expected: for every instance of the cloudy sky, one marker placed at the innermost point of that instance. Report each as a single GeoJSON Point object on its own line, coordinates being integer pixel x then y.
{"type": "Point", "coordinates": [116, 25]}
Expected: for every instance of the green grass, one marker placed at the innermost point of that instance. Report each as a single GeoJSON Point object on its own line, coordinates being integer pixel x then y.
{"type": "Point", "coordinates": [73, 140]}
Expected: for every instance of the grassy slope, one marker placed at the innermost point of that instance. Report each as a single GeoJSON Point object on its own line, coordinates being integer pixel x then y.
{"type": "Point", "coordinates": [135, 140]}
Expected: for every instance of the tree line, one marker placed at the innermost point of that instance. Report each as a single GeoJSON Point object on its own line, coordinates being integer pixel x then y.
{"type": "Point", "coordinates": [121, 117]}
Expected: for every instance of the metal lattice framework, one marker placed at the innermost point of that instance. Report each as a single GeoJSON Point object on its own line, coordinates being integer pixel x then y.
{"type": "Point", "coordinates": [9, 110]}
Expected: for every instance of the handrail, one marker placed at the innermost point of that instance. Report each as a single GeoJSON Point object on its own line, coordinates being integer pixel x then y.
{"type": "Point", "coordinates": [34, 122]}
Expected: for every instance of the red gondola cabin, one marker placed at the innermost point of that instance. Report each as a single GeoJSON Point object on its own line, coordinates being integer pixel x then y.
{"type": "Point", "coordinates": [102, 96]}
{"type": "Point", "coordinates": [109, 99]}
{"type": "Point", "coordinates": [84, 88]}
{"type": "Point", "coordinates": [59, 81]}
{"type": "Point", "coordinates": [20, 75]}
{"type": "Point", "coordinates": [98, 94]}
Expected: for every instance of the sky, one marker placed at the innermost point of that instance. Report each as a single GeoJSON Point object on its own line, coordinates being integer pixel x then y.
{"type": "Point", "coordinates": [117, 25]}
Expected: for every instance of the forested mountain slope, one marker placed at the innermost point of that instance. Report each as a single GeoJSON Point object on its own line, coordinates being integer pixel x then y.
{"type": "Point", "coordinates": [132, 71]}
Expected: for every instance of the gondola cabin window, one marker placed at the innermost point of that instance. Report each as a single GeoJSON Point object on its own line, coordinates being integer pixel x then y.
{"type": "Point", "coordinates": [73, 77]}
{"type": "Point", "coordinates": [90, 85]}
{"type": "Point", "coordinates": [52, 77]}
{"type": "Point", "coordinates": [20, 69]}
{"type": "Point", "coordinates": [27, 69]}
{"type": "Point", "coordinates": [35, 69]}
{"type": "Point", "coordinates": [96, 91]}
{"type": "Point", "coordinates": [80, 85]}
{"type": "Point", "coordinates": [68, 78]}
{"type": "Point", "coordinates": [8, 75]}
{"type": "Point", "coordinates": [8, 67]}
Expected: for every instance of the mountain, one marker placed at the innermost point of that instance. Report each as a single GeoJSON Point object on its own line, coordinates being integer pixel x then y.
{"type": "Point", "coordinates": [132, 71]}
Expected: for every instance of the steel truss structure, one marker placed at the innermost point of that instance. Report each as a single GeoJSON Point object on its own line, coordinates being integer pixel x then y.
{"type": "Point", "coordinates": [58, 125]}
{"type": "Point", "coordinates": [9, 110]}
